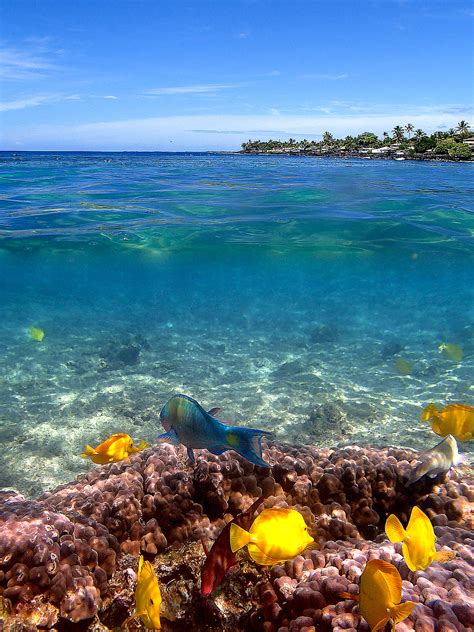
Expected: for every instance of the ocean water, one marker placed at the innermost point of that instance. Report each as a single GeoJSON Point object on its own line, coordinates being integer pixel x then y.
{"type": "Point", "coordinates": [285, 290]}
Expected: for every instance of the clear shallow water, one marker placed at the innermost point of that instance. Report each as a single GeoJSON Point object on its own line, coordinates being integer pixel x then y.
{"type": "Point", "coordinates": [282, 289]}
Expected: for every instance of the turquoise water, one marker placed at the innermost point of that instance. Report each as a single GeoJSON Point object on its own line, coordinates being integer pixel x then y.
{"type": "Point", "coordinates": [283, 289]}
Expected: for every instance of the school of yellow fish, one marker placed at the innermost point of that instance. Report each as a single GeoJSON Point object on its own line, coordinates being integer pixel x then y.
{"type": "Point", "coordinates": [280, 534]}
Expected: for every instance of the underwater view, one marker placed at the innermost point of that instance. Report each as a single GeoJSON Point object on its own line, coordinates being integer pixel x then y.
{"type": "Point", "coordinates": [328, 303]}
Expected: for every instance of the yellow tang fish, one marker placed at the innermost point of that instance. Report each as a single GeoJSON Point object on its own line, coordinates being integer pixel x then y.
{"type": "Point", "coordinates": [276, 535]}
{"type": "Point", "coordinates": [116, 448]}
{"type": "Point", "coordinates": [36, 333]}
{"type": "Point", "coordinates": [451, 350]}
{"type": "Point", "coordinates": [418, 540]}
{"type": "Point", "coordinates": [380, 593]}
{"type": "Point", "coordinates": [454, 419]}
{"type": "Point", "coordinates": [147, 597]}
{"type": "Point", "coordinates": [404, 367]}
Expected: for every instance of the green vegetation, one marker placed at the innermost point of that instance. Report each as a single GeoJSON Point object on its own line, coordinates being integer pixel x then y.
{"type": "Point", "coordinates": [416, 143]}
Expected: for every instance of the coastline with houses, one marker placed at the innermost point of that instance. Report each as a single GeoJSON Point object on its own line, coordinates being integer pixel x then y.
{"type": "Point", "coordinates": [405, 143]}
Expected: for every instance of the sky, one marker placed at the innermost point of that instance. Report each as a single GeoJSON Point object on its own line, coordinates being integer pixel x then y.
{"type": "Point", "coordinates": [177, 75]}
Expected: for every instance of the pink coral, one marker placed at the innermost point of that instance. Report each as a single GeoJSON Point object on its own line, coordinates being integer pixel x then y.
{"type": "Point", "coordinates": [64, 547]}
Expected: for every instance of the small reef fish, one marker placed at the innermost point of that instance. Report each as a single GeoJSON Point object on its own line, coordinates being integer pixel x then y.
{"type": "Point", "coordinates": [220, 559]}
{"type": "Point", "coordinates": [404, 367]}
{"type": "Point", "coordinates": [148, 602]}
{"type": "Point", "coordinates": [275, 536]}
{"type": "Point", "coordinates": [380, 593]}
{"type": "Point", "coordinates": [454, 419]}
{"type": "Point", "coordinates": [36, 333]}
{"type": "Point", "coordinates": [116, 448]}
{"type": "Point", "coordinates": [418, 540]}
{"type": "Point", "coordinates": [438, 460]}
{"type": "Point", "coordinates": [186, 422]}
{"type": "Point", "coordinates": [452, 351]}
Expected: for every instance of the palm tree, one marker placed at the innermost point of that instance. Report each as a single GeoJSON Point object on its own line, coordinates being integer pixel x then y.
{"type": "Point", "coordinates": [398, 134]}
{"type": "Point", "coordinates": [409, 128]}
{"type": "Point", "coordinates": [419, 134]}
{"type": "Point", "coordinates": [328, 138]}
{"type": "Point", "coordinates": [463, 129]}
{"type": "Point", "coordinates": [386, 137]}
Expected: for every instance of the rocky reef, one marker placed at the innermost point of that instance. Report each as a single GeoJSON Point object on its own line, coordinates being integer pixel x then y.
{"type": "Point", "coordinates": [67, 559]}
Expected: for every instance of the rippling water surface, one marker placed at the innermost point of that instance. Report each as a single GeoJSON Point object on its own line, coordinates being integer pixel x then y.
{"type": "Point", "coordinates": [285, 290]}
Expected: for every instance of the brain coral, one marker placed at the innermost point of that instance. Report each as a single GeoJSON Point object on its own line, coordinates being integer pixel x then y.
{"type": "Point", "coordinates": [70, 554]}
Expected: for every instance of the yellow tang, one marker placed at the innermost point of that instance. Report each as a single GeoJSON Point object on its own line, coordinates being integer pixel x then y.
{"type": "Point", "coordinates": [454, 419]}
{"type": "Point", "coordinates": [418, 540]}
{"type": "Point", "coordinates": [116, 448]}
{"type": "Point", "coordinates": [451, 350]}
{"type": "Point", "coordinates": [404, 367]}
{"type": "Point", "coordinates": [276, 535]}
{"type": "Point", "coordinates": [147, 597]}
{"type": "Point", "coordinates": [380, 593]}
{"type": "Point", "coordinates": [36, 333]}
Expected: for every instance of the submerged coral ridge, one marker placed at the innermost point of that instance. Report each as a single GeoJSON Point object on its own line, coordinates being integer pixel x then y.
{"type": "Point", "coordinates": [67, 555]}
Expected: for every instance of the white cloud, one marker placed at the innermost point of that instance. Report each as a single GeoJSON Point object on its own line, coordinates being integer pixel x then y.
{"type": "Point", "coordinates": [35, 100]}
{"type": "Point", "coordinates": [20, 65]}
{"type": "Point", "coordinates": [221, 131]}
{"type": "Point", "coordinates": [28, 102]}
{"type": "Point", "coordinates": [327, 76]}
{"type": "Point", "coordinates": [196, 89]}
{"type": "Point", "coordinates": [109, 96]}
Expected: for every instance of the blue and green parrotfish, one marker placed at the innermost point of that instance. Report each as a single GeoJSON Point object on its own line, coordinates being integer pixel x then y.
{"type": "Point", "coordinates": [186, 422]}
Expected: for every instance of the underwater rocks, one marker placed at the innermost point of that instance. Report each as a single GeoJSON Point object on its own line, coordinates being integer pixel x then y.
{"type": "Point", "coordinates": [71, 552]}
{"type": "Point", "coordinates": [122, 353]}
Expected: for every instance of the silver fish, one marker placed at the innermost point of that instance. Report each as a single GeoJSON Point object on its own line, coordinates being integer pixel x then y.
{"type": "Point", "coordinates": [438, 460]}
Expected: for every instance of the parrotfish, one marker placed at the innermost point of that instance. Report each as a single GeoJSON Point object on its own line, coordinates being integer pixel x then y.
{"type": "Point", "coordinates": [220, 559]}
{"type": "Point", "coordinates": [186, 422]}
{"type": "Point", "coordinates": [380, 593]}
{"type": "Point", "coordinates": [439, 460]}
{"type": "Point", "coordinates": [418, 539]}
{"type": "Point", "coordinates": [116, 448]}
{"type": "Point", "coordinates": [276, 535]}
{"type": "Point", "coordinates": [455, 419]}
{"type": "Point", "coordinates": [36, 333]}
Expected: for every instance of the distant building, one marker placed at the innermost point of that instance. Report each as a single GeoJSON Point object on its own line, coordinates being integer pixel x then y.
{"type": "Point", "coordinates": [469, 141]}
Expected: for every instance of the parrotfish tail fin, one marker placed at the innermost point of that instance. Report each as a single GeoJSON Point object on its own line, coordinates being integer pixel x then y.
{"type": "Point", "coordinates": [248, 443]}
{"type": "Point", "coordinates": [429, 412]}
{"type": "Point", "coordinates": [394, 529]}
{"type": "Point", "coordinates": [88, 452]}
{"type": "Point", "coordinates": [445, 556]}
{"type": "Point", "coordinates": [346, 595]}
{"type": "Point", "coordinates": [400, 612]}
{"type": "Point", "coordinates": [238, 537]}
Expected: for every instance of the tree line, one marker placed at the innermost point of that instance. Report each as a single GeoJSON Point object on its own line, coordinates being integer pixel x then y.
{"type": "Point", "coordinates": [407, 138]}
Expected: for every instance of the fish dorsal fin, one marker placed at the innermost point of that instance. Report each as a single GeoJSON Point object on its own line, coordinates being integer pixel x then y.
{"type": "Point", "coordinates": [394, 529]}
{"type": "Point", "coordinates": [214, 411]}
{"type": "Point", "coordinates": [392, 579]}
{"type": "Point", "coordinates": [420, 526]}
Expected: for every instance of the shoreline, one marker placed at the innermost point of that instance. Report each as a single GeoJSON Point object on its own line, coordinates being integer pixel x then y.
{"type": "Point", "coordinates": [355, 154]}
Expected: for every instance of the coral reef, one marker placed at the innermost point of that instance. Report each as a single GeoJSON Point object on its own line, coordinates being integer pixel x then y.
{"type": "Point", "coordinates": [70, 554]}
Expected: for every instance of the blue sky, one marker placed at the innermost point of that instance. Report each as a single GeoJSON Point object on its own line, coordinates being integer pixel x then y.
{"type": "Point", "coordinates": [209, 74]}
